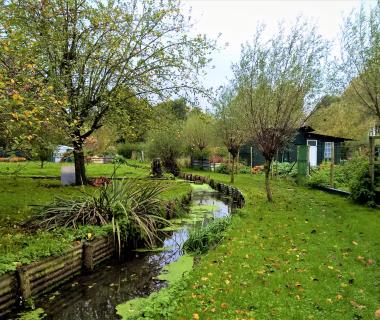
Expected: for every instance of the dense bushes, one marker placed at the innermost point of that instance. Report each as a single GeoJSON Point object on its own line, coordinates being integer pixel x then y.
{"type": "Point", "coordinates": [352, 175]}
{"type": "Point", "coordinates": [361, 189]}
{"type": "Point", "coordinates": [126, 149]}
{"type": "Point", "coordinates": [225, 168]}
{"type": "Point", "coordinates": [284, 168]}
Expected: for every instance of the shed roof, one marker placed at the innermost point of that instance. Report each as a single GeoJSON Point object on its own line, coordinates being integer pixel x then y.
{"type": "Point", "coordinates": [314, 133]}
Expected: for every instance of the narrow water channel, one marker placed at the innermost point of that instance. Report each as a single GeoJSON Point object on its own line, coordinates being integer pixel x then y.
{"type": "Point", "coordinates": [95, 296]}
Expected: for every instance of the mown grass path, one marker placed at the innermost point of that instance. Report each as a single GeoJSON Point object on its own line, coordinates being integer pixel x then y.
{"type": "Point", "coordinates": [309, 255]}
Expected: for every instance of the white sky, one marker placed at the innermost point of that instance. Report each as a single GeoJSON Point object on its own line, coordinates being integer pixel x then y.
{"type": "Point", "coordinates": [237, 20]}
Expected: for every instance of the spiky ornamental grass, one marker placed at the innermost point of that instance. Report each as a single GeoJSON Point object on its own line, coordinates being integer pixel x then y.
{"type": "Point", "coordinates": [129, 205]}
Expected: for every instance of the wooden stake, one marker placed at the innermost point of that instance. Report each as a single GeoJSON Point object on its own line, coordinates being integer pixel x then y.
{"type": "Point", "coordinates": [251, 159]}
{"type": "Point", "coordinates": [332, 165]}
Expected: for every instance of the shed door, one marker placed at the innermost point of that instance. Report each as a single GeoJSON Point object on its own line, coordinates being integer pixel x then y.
{"type": "Point", "coordinates": [312, 144]}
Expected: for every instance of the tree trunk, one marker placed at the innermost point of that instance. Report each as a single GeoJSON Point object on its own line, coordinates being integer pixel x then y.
{"type": "Point", "coordinates": [80, 169]}
{"type": "Point", "coordinates": [267, 165]}
{"type": "Point", "coordinates": [233, 170]}
{"type": "Point", "coordinates": [42, 164]}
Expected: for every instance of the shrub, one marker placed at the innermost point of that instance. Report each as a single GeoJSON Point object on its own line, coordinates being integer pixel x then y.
{"type": "Point", "coordinates": [134, 209]}
{"type": "Point", "coordinates": [126, 149]}
{"type": "Point", "coordinates": [167, 144]}
{"type": "Point", "coordinates": [353, 174]}
{"type": "Point", "coordinates": [245, 170]}
{"type": "Point", "coordinates": [202, 239]}
{"type": "Point", "coordinates": [223, 168]}
{"type": "Point", "coordinates": [361, 188]}
{"type": "Point", "coordinates": [119, 159]}
{"type": "Point", "coordinates": [319, 177]}
{"type": "Point", "coordinates": [285, 168]}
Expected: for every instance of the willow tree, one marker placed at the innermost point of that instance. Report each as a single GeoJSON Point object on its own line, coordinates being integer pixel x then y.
{"type": "Point", "coordinates": [360, 60]}
{"type": "Point", "coordinates": [198, 131]}
{"type": "Point", "coordinates": [229, 120]}
{"type": "Point", "coordinates": [89, 50]}
{"type": "Point", "coordinates": [278, 81]}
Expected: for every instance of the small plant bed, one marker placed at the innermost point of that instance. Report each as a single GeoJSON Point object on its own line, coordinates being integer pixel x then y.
{"type": "Point", "coordinates": [308, 255]}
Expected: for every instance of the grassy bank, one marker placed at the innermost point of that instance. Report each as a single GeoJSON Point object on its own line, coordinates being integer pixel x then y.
{"type": "Point", "coordinates": [19, 200]}
{"type": "Point", "coordinates": [309, 255]}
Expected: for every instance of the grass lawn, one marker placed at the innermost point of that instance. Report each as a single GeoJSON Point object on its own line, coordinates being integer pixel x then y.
{"type": "Point", "coordinates": [131, 169]}
{"type": "Point", "coordinates": [309, 255]}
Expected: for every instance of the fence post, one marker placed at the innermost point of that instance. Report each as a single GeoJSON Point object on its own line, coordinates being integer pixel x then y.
{"type": "Point", "coordinates": [302, 163]}
{"type": "Point", "coordinates": [332, 165]}
{"type": "Point", "coordinates": [24, 282]}
{"type": "Point", "coordinates": [251, 159]}
{"type": "Point", "coordinates": [88, 257]}
{"type": "Point", "coordinates": [372, 161]}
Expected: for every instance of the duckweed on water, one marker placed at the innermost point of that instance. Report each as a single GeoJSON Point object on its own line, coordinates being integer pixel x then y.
{"type": "Point", "coordinates": [36, 314]}
{"type": "Point", "coordinates": [174, 271]}
{"type": "Point", "coordinates": [155, 249]}
{"type": "Point", "coordinates": [201, 187]}
{"type": "Point", "coordinates": [158, 302]}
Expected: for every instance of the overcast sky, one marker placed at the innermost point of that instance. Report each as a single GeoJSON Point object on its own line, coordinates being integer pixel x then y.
{"type": "Point", "coordinates": [237, 20]}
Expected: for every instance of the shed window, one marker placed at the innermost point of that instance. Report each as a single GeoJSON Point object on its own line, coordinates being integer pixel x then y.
{"type": "Point", "coordinates": [328, 150]}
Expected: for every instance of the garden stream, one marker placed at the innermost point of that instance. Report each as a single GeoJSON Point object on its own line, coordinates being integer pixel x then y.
{"type": "Point", "coordinates": [96, 295]}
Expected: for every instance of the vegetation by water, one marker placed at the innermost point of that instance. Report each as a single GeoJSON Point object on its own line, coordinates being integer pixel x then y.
{"type": "Point", "coordinates": [36, 314]}
{"type": "Point", "coordinates": [134, 209]}
{"type": "Point", "coordinates": [202, 239]}
{"type": "Point", "coordinates": [158, 303]}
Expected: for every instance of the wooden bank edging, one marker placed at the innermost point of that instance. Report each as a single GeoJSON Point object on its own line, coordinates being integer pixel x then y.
{"type": "Point", "coordinates": [235, 194]}
{"type": "Point", "coordinates": [41, 276]}
{"type": "Point", "coordinates": [333, 191]}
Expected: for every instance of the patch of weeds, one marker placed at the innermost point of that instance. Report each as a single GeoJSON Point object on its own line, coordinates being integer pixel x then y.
{"type": "Point", "coordinates": [36, 314]}
{"type": "Point", "coordinates": [202, 239]}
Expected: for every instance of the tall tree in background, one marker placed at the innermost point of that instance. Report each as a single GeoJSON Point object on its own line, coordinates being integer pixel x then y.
{"type": "Point", "coordinates": [229, 120]}
{"type": "Point", "coordinates": [167, 143]}
{"type": "Point", "coordinates": [198, 132]}
{"type": "Point", "coordinates": [278, 81]}
{"type": "Point", "coordinates": [88, 50]}
{"type": "Point", "coordinates": [360, 60]}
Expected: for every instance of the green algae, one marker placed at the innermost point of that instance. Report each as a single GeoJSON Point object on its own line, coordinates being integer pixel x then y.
{"type": "Point", "coordinates": [174, 227]}
{"type": "Point", "coordinates": [203, 208]}
{"type": "Point", "coordinates": [172, 273]}
{"type": "Point", "coordinates": [202, 187]}
{"type": "Point", "coordinates": [36, 314]}
{"type": "Point", "coordinates": [155, 249]}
